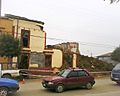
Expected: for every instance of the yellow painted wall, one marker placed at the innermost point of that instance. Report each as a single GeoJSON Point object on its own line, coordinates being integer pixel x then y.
{"type": "Point", "coordinates": [57, 58]}
{"type": "Point", "coordinates": [6, 24]}
{"type": "Point", "coordinates": [37, 38]}
{"type": "Point", "coordinates": [4, 61]}
{"type": "Point", "coordinates": [37, 43]}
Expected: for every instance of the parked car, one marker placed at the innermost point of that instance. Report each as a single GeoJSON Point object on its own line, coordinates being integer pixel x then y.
{"type": "Point", "coordinates": [14, 74]}
{"type": "Point", "coordinates": [8, 86]}
{"type": "Point", "coordinates": [10, 73]}
{"type": "Point", "coordinates": [69, 78]}
{"type": "Point", "coordinates": [115, 74]}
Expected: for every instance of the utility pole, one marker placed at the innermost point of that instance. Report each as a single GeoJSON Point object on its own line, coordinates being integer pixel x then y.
{"type": "Point", "coordinates": [0, 7]}
{"type": "Point", "coordinates": [0, 14]}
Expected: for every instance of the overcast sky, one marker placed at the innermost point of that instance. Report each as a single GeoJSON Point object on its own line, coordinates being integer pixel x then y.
{"type": "Point", "coordinates": [94, 24]}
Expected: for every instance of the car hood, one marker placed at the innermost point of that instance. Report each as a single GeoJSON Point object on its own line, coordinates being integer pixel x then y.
{"type": "Point", "coordinates": [53, 78]}
{"type": "Point", "coordinates": [6, 80]}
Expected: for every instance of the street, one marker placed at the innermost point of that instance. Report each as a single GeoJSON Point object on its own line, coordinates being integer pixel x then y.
{"type": "Point", "coordinates": [103, 87]}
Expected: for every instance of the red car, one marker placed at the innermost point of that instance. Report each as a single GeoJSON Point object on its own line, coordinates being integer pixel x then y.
{"type": "Point", "coordinates": [69, 78]}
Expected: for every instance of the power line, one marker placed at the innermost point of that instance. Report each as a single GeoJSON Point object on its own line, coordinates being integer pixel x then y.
{"type": "Point", "coordinates": [82, 43]}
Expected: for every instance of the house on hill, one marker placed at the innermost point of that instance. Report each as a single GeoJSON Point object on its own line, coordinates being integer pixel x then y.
{"type": "Point", "coordinates": [107, 58]}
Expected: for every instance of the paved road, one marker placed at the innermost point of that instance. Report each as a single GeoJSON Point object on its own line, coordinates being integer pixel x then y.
{"type": "Point", "coordinates": [103, 87]}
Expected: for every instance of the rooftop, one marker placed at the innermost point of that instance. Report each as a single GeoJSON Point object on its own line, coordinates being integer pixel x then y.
{"type": "Point", "coordinates": [22, 18]}
{"type": "Point", "coordinates": [105, 55]}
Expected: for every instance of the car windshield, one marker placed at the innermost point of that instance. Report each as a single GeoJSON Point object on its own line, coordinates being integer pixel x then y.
{"type": "Point", "coordinates": [117, 67]}
{"type": "Point", "coordinates": [64, 73]}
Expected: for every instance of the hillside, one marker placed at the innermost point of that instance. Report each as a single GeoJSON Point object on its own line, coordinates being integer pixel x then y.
{"type": "Point", "coordinates": [90, 63]}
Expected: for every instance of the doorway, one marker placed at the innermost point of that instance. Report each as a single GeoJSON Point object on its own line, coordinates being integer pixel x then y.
{"type": "Point", "coordinates": [24, 61]}
{"type": "Point", "coordinates": [48, 61]}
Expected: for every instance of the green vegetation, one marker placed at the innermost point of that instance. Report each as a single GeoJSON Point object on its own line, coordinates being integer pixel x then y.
{"type": "Point", "coordinates": [116, 54]}
{"type": "Point", "coordinates": [67, 60]}
{"type": "Point", "coordinates": [9, 47]}
{"type": "Point", "coordinates": [93, 64]}
{"type": "Point", "coordinates": [89, 63]}
{"type": "Point", "coordinates": [112, 1]}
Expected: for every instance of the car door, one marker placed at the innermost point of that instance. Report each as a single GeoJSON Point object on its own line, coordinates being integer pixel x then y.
{"type": "Point", "coordinates": [83, 77]}
{"type": "Point", "coordinates": [72, 79]}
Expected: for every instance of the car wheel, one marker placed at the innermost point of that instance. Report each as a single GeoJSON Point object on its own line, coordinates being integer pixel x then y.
{"type": "Point", "coordinates": [59, 88]}
{"type": "Point", "coordinates": [88, 85]}
{"type": "Point", "coordinates": [3, 91]}
{"type": "Point", "coordinates": [7, 76]}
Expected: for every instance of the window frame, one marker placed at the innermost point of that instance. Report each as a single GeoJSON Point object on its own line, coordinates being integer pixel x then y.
{"type": "Point", "coordinates": [69, 75]}
{"type": "Point", "coordinates": [85, 73]}
{"type": "Point", "coordinates": [28, 31]}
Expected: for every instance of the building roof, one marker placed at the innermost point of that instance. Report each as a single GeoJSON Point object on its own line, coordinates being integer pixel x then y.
{"type": "Point", "coordinates": [2, 17]}
{"type": "Point", "coordinates": [105, 55]}
{"type": "Point", "coordinates": [22, 18]}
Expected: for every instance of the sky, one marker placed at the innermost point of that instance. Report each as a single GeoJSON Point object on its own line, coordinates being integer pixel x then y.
{"type": "Point", "coordinates": [94, 24]}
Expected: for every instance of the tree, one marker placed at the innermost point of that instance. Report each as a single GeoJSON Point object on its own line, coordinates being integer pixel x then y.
{"type": "Point", "coordinates": [116, 54]}
{"type": "Point", "coordinates": [112, 1]}
{"type": "Point", "coordinates": [9, 47]}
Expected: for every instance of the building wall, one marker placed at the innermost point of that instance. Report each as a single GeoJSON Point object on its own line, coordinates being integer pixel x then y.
{"type": "Point", "coordinates": [37, 59]}
{"type": "Point", "coordinates": [37, 35]}
{"type": "Point", "coordinates": [4, 61]}
{"type": "Point", "coordinates": [69, 47]}
{"type": "Point", "coordinates": [6, 25]}
{"type": "Point", "coordinates": [57, 58]}
{"type": "Point", "coordinates": [37, 39]}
